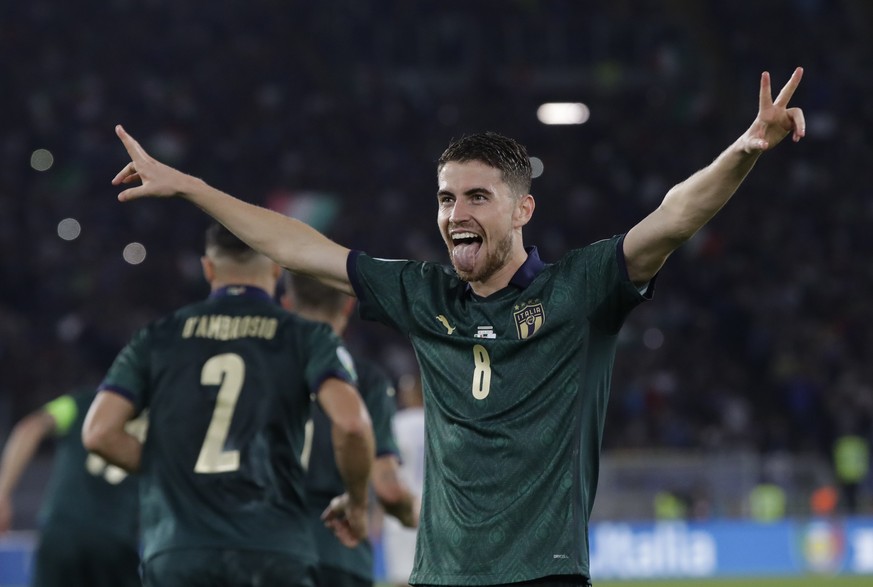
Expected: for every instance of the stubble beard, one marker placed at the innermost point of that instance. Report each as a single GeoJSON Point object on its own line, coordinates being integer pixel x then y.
{"type": "Point", "coordinates": [496, 259]}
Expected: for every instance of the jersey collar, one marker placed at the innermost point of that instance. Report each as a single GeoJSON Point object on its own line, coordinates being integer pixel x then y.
{"type": "Point", "coordinates": [525, 275]}
{"type": "Point", "coordinates": [242, 291]}
{"type": "Point", "coordinates": [529, 270]}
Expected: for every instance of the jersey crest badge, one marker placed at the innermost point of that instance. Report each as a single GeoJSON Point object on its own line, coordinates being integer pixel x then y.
{"type": "Point", "coordinates": [529, 318]}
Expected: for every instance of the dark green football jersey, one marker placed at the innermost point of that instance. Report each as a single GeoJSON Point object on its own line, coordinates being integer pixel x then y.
{"type": "Point", "coordinates": [323, 480]}
{"type": "Point", "coordinates": [228, 384]}
{"type": "Point", "coordinates": [84, 492]}
{"type": "Point", "coordinates": [515, 389]}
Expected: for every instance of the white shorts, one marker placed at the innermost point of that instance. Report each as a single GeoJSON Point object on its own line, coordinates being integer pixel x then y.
{"type": "Point", "coordinates": [399, 549]}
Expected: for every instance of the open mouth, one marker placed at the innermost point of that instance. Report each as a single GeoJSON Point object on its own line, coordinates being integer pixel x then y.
{"type": "Point", "coordinates": [465, 238]}
{"type": "Point", "coordinates": [466, 248]}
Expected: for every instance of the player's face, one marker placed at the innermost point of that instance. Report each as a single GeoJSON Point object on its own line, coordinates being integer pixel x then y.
{"type": "Point", "coordinates": [475, 218]}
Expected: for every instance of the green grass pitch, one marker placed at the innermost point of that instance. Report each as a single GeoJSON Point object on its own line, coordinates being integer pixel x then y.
{"type": "Point", "coordinates": [811, 581]}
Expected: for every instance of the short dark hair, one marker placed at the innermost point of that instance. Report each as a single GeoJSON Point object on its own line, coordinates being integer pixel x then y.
{"type": "Point", "coordinates": [496, 150]}
{"type": "Point", "coordinates": [310, 294]}
{"type": "Point", "coordinates": [226, 243]}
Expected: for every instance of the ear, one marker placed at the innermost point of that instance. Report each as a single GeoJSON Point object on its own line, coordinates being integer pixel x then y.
{"type": "Point", "coordinates": [208, 268]}
{"type": "Point", "coordinates": [524, 209]}
{"type": "Point", "coordinates": [287, 302]}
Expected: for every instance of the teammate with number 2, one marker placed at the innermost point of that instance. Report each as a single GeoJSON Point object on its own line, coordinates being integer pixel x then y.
{"type": "Point", "coordinates": [515, 354]}
{"type": "Point", "coordinates": [228, 383]}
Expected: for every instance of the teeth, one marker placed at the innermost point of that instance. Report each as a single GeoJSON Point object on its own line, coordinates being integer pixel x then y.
{"type": "Point", "coordinates": [463, 235]}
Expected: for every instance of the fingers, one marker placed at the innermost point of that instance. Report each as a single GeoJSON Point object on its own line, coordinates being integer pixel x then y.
{"type": "Point", "coordinates": [132, 194]}
{"type": "Point", "coordinates": [134, 149]}
{"type": "Point", "coordinates": [331, 516]}
{"type": "Point", "coordinates": [124, 176]}
{"type": "Point", "coordinates": [129, 173]}
{"type": "Point", "coordinates": [344, 531]}
{"type": "Point", "coordinates": [346, 536]}
{"type": "Point", "coordinates": [785, 95]}
{"type": "Point", "coordinates": [335, 510]}
{"type": "Point", "coordinates": [765, 98]}
{"type": "Point", "coordinates": [798, 123]}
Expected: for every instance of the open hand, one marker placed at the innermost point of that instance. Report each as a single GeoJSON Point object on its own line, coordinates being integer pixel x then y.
{"type": "Point", "coordinates": [775, 120]}
{"type": "Point", "coordinates": [156, 178]}
{"type": "Point", "coordinates": [347, 521]}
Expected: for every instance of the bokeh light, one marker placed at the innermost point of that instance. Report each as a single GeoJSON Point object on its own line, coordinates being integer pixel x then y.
{"type": "Point", "coordinates": [69, 229]}
{"type": "Point", "coordinates": [653, 338]}
{"type": "Point", "coordinates": [42, 159]}
{"type": "Point", "coordinates": [134, 253]}
{"type": "Point", "coordinates": [536, 167]}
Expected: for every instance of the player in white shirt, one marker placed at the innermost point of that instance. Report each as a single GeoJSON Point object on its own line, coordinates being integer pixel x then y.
{"type": "Point", "coordinates": [399, 541]}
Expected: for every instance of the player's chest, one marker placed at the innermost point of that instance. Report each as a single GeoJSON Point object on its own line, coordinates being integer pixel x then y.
{"type": "Point", "coordinates": [517, 319]}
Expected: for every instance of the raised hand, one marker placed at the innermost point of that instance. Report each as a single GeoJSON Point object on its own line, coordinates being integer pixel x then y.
{"type": "Point", "coordinates": [156, 178]}
{"type": "Point", "coordinates": [775, 119]}
{"type": "Point", "coordinates": [348, 522]}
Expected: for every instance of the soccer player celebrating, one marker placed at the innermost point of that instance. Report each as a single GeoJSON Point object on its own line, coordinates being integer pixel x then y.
{"type": "Point", "coordinates": [515, 354]}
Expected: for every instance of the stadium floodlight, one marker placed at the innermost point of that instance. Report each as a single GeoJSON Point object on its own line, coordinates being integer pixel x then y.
{"type": "Point", "coordinates": [563, 113]}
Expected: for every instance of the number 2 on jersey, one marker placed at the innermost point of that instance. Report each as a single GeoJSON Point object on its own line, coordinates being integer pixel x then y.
{"type": "Point", "coordinates": [228, 371]}
{"type": "Point", "coordinates": [481, 372]}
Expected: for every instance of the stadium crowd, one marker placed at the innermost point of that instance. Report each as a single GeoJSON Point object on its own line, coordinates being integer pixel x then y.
{"type": "Point", "coordinates": [761, 329]}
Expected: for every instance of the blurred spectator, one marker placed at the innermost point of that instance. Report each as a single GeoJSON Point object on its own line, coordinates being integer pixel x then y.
{"type": "Point", "coordinates": [767, 502]}
{"type": "Point", "coordinates": [398, 541]}
{"type": "Point", "coordinates": [670, 505]}
{"type": "Point", "coordinates": [851, 463]}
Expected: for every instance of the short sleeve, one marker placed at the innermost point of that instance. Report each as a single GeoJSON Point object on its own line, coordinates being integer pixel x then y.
{"type": "Point", "coordinates": [601, 272]}
{"type": "Point", "coordinates": [327, 358]}
{"type": "Point", "coordinates": [129, 374]}
{"type": "Point", "coordinates": [380, 286]}
{"type": "Point", "coordinates": [379, 395]}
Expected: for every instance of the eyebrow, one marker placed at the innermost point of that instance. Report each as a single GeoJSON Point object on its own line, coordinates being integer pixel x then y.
{"type": "Point", "coordinates": [470, 192]}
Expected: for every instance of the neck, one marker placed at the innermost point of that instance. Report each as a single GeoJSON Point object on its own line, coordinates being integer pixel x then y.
{"type": "Point", "coordinates": [264, 284]}
{"type": "Point", "coordinates": [500, 278]}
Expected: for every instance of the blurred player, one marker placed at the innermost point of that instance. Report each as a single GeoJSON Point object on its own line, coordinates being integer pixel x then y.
{"type": "Point", "coordinates": [397, 540]}
{"type": "Point", "coordinates": [229, 383]}
{"type": "Point", "coordinates": [89, 516]}
{"type": "Point", "coordinates": [515, 354]}
{"type": "Point", "coordinates": [339, 566]}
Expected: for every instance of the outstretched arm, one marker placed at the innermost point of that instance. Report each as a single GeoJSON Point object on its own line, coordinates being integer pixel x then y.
{"type": "Point", "coordinates": [691, 204]}
{"type": "Point", "coordinates": [25, 438]}
{"type": "Point", "coordinates": [289, 242]}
